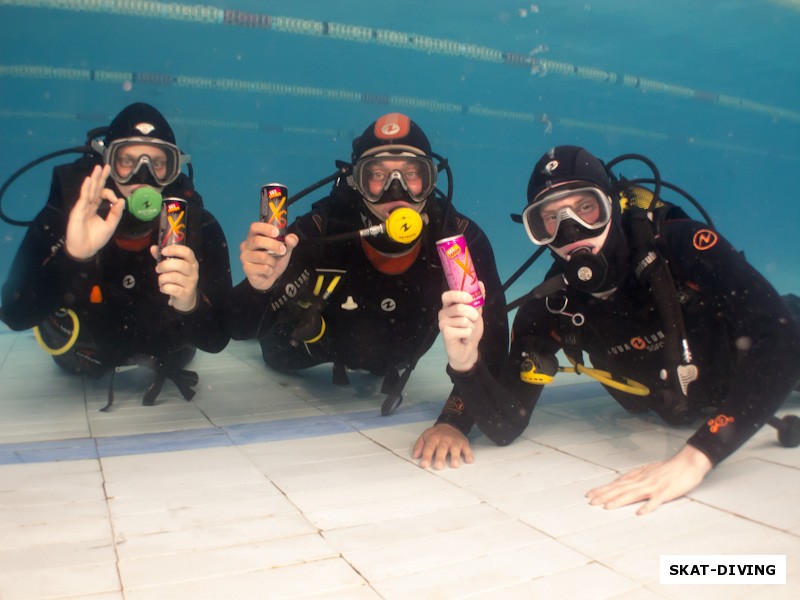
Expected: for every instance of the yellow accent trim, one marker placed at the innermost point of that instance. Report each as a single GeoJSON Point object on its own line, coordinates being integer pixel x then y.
{"type": "Point", "coordinates": [318, 284]}
{"type": "Point", "coordinates": [76, 328]}
{"type": "Point", "coordinates": [332, 285]}
{"type": "Point", "coordinates": [536, 378]}
{"type": "Point", "coordinates": [319, 335]}
{"type": "Point", "coordinates": [629, 385]}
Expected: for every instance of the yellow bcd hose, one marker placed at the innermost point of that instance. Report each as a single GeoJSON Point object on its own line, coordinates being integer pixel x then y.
{"type": "Point", "coordinates": [629, 385]}
{"type": "Point", "coordinates": [76, 328]}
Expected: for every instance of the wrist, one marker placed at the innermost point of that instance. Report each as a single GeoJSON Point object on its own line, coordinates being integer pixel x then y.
{"type": "Point", "coordinates": [466, 365]}
{"type": "Point", "coordinates": [72, 255]}
{"type": "Point", "coordinates": [462, 369]}
{"type": "Point", "coordinates": [695, 458]}
{"type": "Point", "coordinates": [190, 307]}
{"type": "Point", "coordinates": [454, 415]}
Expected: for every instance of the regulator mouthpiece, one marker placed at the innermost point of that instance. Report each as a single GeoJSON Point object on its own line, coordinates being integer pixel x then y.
{"type": "Point", "coordinates": [145, 203]}
{"type": "Point", "coordinates": [403, 225]}
{"type": "Point", "coordinates": [586, 271]}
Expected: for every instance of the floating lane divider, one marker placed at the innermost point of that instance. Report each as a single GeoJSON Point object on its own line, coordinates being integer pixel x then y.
{"type": "Point", "coordinates": [209, 15]}
{"type": "Point", "coordinates": [265, 87]}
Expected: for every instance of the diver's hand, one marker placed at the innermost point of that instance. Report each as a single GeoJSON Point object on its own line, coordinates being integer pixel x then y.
{"type": "Point", "coordinates": [262, 268]}
{"type": "Point", "coordinates": [88, 232]}
{"type": "Point", "coordinates": [462, 329]}
{"type": "Point", "coordinates": [437, 442]}
{"type": "Point", "coordinates": [178, 275]}
{"type": "Point", "coordinates": [656, 483]}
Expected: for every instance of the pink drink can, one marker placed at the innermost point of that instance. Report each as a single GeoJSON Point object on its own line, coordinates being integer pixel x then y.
{"type": "Point", "coordinates": [458, 267]}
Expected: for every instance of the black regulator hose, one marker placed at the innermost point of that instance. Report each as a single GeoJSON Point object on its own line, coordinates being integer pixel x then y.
{"type": "Point", "coordinates": [19, 172]}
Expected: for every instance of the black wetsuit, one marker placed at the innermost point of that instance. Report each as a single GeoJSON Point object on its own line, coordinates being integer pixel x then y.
{"type": "Point", "coordinates": [115, 294]}
{"type": "Point", "coordinates": [742, 337]}
{"type": "Point", "coordinates": [373, 320]}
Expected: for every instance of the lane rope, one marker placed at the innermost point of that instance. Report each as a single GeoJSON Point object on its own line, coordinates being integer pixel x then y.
{"type": "Point", "coordinates": [536, 65]}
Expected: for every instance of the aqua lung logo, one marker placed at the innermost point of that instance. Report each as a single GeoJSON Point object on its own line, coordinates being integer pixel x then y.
{"type": "Point", "coordinates": [640, 343]}
{"type": "Point", "coordinates": [388, 304]}
{"type": "Point", "coordinates": [550, 167]}
{"type": "Point", "coordinates": [290, 291]}
{"type": "Point", "coordinates": [128, 281]}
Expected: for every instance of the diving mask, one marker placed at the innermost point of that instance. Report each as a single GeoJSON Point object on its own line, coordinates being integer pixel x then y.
{"type": "Point", "coordinates": [143, 160]}
{"type": "Point", "coordinates": [588, 207]}
{"type": "Point", "coordinates": [385, 167]}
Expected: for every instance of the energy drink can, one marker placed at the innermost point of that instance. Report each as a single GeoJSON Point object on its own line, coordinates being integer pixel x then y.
{"type": "Point", "coordinates": [274, 209]}
{"type": "Point", "coordinates": [172, 227]}
{"type": "Point", "coordinates": [458, 267]}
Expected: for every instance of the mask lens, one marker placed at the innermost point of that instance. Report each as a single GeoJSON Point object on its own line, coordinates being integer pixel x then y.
{"type": "Point", "coordinates": [374, 175]}
{"type": "Point", "coordinates": [588, 207]}
{"type": "Point", "coordinates": [129, 157]}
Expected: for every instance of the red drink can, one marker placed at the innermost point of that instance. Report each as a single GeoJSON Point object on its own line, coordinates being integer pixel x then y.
{"type": "Point", "coordinates": [172, 225]}
{"type": "Point", "coordinates": [274, 209]}
{"type": "Point", "coordinates": [458, 267]}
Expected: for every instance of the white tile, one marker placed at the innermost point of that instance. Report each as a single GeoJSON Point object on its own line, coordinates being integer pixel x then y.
{"type": "Point", "coordinates": [540, 472]}
{"type": "Point", "coordinates": [627, 452]}
{"type": "Point", "coordinates": [773, 495]}
{"type": "Point", "coordinates": [50, 482]}
{"type": "Point", "coordinates": [264, 491]}
{"type": "Point", "coordinates": [192, 499]}
{"type": "Point", "coordinates": [280, 454]}
{"type": "Point", "coordinates": [489, 574]}
{"type": "Point", "coordinates": [331, 576]}
{"type": "Point", "coordinates": [41, 531]}
{"type": "Point", "coordinates": [400, 439]}
{"type": "Point", "coordinates": [587, 581]}
{"type": "Point", "coordinates": [410, 503]}
{"type": "Point", "coordinates": [726, 535]}
{"type": "Point", "coordinates": [678, 518]}
{"type": "Point", "coordinates": [57, 555]}
{"type": "Point", "coordinates": [341, 472]}
{"type": "Point", "coordinates": [443, 550]}
{"type": "Point", "coordinates": [159, 473]}
{"type": "Point", "coordinates": [218, 534]}
{"type": "Point", "coordinates": [558, 509]}
{"type": "Point", "coordinates": [200, 513]}
{"type": "Point", "coordinates": [192, 563]}
{"type": "Point", "coordinates": [55, 514]}
{"type": "Point", "coordinates": [424, 526]}
{"type": "Point", "coordinates": [76, 581]}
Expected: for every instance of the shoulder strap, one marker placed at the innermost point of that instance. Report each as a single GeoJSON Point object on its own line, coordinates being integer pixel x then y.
{"type": "Point", "coordinates": [651, 268]}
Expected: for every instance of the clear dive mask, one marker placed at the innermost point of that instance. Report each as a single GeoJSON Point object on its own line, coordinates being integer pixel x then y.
{"type": "Point", "coordinates": [157, 164]}
{"type": "Point", "coordinates": [587, 206]}
{"type": "Point", "coordinates": [384, 167]}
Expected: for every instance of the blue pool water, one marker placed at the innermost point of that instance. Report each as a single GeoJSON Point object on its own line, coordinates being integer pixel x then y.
{"type": "Point", "coordinates": [708, 91]}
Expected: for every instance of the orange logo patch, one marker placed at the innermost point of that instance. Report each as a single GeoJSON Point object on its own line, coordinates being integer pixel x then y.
{"type": "Point", "coordinates": [717, 423]}
{"type": "Point", "coordinates": [705, 239]}
{"type": "Point", "coordinates": [638, 343]}
{"type": "Point", "coordinates": [392, 126]}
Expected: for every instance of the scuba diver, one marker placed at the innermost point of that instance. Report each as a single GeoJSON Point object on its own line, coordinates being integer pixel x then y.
{"type": "Point", "coordinates": [90, 276]}
{"type": "Point", "coordinates": [357, 281]}
{"type": "Point", "coordinates": [673, 319]}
